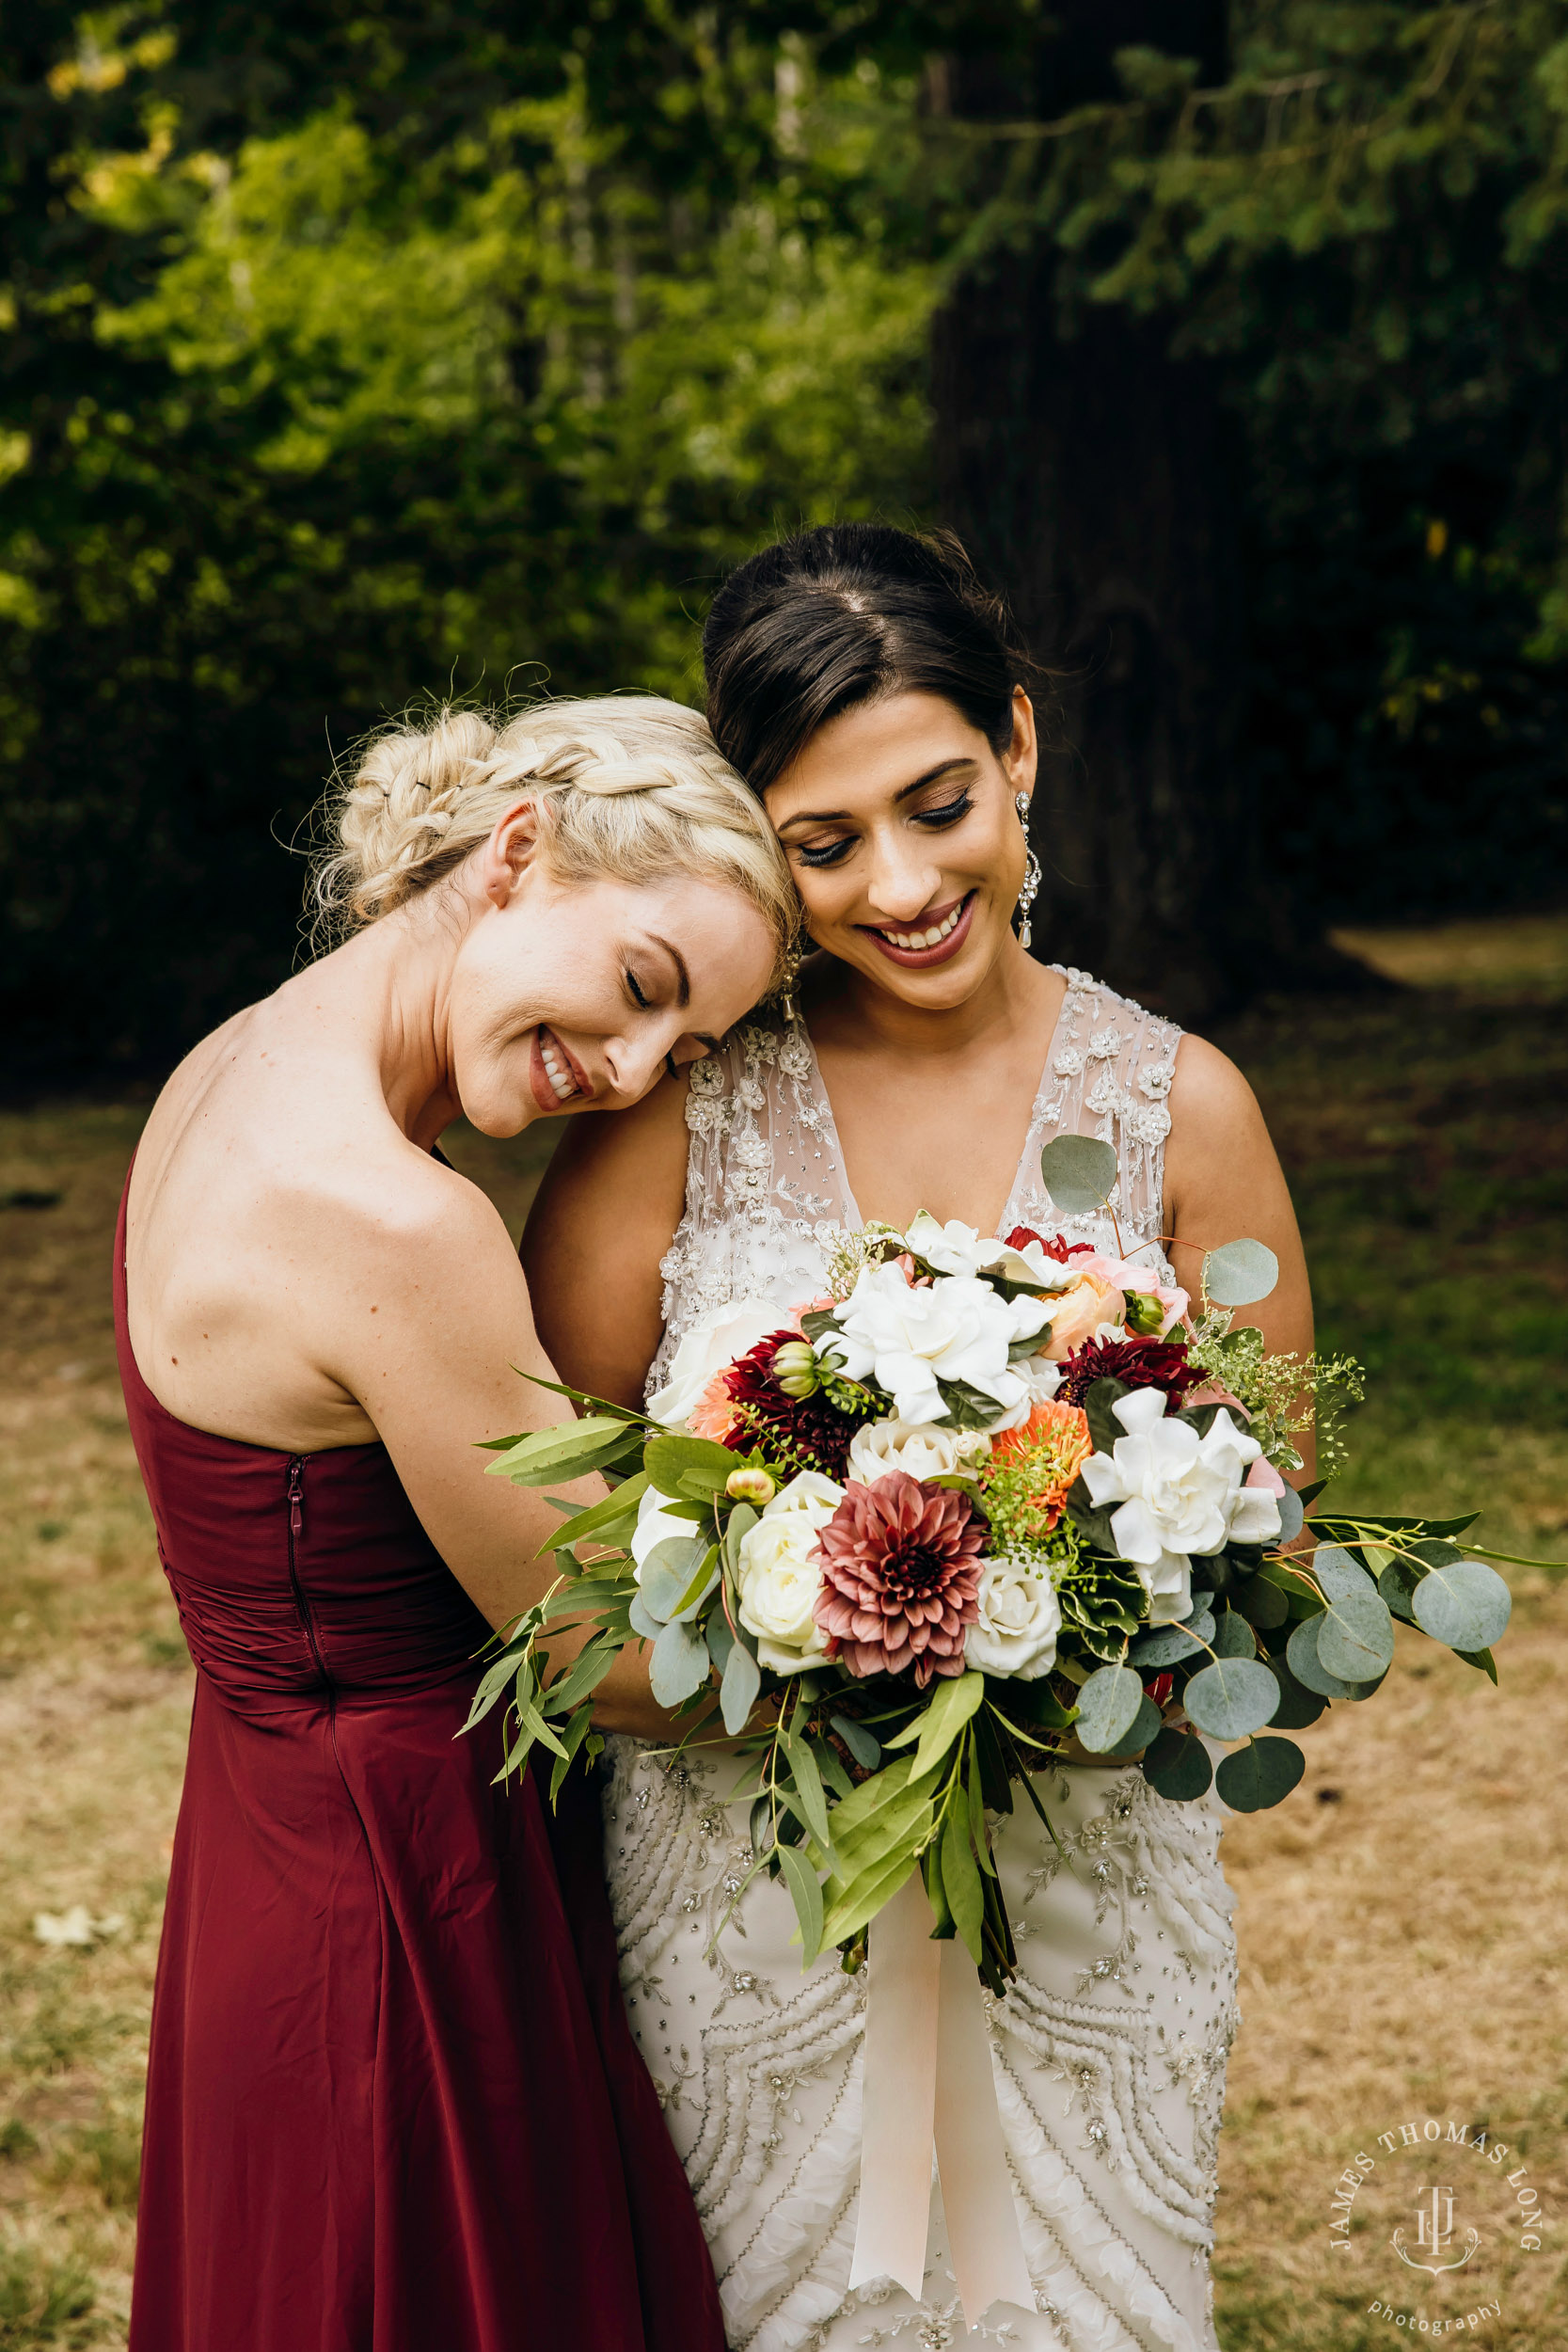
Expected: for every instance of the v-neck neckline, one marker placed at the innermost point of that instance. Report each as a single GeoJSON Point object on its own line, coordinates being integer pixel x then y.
{"type": "Point", "coordinates": [825, 1105]}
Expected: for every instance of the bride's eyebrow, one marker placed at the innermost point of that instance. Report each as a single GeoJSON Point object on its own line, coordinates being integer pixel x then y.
{"type": "Point", "coordinates": [844, 817]}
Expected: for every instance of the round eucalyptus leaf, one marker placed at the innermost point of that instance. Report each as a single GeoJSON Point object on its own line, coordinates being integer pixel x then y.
{"type": "Point", "coordinates": [1232, 1698]}
{"type": "Point", "coordinates": [1240, 1273]}
{"type": "Point", "coordinates": [1301, 1655]}
{"type": "Point", "coordinates": [1260, 1774]}
{"type": "Point", "coordinates": [1107, 1706]}
{"type": "Point", "coordinates": [1298, 1706]}
{"type": "Point", "coordinates": [1396, 1594]}
{"type": "Point", "coordinates": [1292, 1519]}
{"type": "Point", "coordinates": [1338, 1574]}
{"type": "Point", "coordinates": [1261, 1604]}
{"type": "Point", "coordinates": [1143, 1728]}
{"type": "Point", "coordinates": [679, 1663]}
{"type": "Point", "coordinates": [1080, 1172]}
{"type": "Point", "coordinates": [1168, 1643]}
{"type": "Point", "coordinates": [1466, 1605]}
{"type": "Point", "coordinates": [1355, 1639]}
{"type": "Point", "coordinates": [1177, 1766]}
{"type": "Point", "coordinates": [667, 1573]}
{"type": "Point", "coordinates": [1234, 1636]}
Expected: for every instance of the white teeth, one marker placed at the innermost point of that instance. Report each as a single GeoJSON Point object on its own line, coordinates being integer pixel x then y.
{"type": "Point", "coordinates": [563, 1085]}
{"type": "Point", "coordinates": [912, 941]}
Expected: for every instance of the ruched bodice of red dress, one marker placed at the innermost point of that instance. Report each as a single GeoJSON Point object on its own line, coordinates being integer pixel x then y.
{"type": "Point", "coordinates": [392, 2102]}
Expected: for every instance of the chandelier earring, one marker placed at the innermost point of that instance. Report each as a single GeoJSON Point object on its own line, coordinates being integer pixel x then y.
{"type": "Point", "coordinates": [1031, 870]}
{"type": "Point", "coordinates": [794, 955]}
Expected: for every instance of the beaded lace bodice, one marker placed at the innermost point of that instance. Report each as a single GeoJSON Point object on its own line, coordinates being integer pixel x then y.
{"type": "Point", "coordinates": [1109, 2050]}
{"type": "Point", "coordinates": [766, 1190]}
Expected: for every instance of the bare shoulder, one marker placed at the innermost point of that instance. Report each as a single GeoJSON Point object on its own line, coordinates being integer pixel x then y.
{"type": "Point", "coordinates": [1213, 1111]}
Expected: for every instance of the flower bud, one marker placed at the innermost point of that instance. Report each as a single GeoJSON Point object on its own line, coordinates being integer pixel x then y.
{"type": "Point", "coordinates": [796, 1369]}
{"type": "Point", "coordinates": [751, 1485]}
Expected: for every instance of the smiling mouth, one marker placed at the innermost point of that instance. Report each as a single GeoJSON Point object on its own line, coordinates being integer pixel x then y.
{"type": "Point", "coordinates": [564, 1079]}
{"type": "Point", "coordinates": [932, 942]}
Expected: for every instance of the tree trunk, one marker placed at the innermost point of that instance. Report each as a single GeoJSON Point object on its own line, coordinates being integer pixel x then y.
{"type": "Point", "coordinates": [1092, 477]}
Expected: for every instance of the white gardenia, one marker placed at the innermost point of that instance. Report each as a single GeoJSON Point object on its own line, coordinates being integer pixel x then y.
{"type": "Point", "coordinates": [957, 1248]}
{"type": "Point", "coordinates": [1019, 1619]}
{"type": "Point", "coordinates": [1179, 1496]}
{"type": "Point", "coordinates": [715, 1340]}
{"type": "Point", "coordinates": [916, 1447]}
{"type": "Point", "coordinates": [779, 1581]}
{"type": "Point", "coordinates": [906, 1339]}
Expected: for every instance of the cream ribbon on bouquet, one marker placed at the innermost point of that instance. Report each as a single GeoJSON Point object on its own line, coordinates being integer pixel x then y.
{"type": "Point", "coordinates": [929, 2083]}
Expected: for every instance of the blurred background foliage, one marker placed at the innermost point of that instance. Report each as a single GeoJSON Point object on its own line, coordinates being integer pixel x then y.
{"type": "Point", "coordinates": [352, 353]}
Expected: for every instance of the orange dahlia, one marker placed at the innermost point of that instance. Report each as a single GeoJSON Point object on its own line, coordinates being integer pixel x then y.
{"type": "Point", "coordinates": [1038, 1463]}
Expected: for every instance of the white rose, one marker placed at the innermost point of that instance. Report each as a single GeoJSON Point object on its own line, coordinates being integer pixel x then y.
{"type": "Point", "coordinates": [956, 1328]}
{"type": "Point", "coordinates": [917, 1446]}
{"type": "Point", "coordinates": [715, 1340]}
{"type": "Point", "coordinates": [1179, 1496]}
{"type": "Point", "coordinates": [1019, 1619]}
{"type": "Point", "coordinates": [779, 1582]}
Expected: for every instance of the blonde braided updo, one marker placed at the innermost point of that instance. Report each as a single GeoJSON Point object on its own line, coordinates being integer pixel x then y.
{"type": "Point", "coordinates": [627, 787]}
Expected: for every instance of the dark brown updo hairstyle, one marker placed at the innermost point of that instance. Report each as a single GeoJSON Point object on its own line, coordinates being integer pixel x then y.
{"type": "Point", "coordinates": [847, 614]}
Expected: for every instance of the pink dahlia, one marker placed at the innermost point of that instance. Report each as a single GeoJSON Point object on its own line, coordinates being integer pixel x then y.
{"type": "Point", "coordinates": [900, 1574]}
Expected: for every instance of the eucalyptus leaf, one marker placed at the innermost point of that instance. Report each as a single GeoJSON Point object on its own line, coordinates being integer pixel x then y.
{"type": "Point", "coordinates": [1234, 1636]}
{"type": "Point", "coordinates": [1177, 1766]}
{"type": "Point", "coordinates": [1355, 1639]}
{"type": "Point", "coordinates": [808, 1787]}
{"type": "Point", "coordinates": [738, 1691]}
{"type": "Point", "coordinates": [806, 1894]}
{"type": "Point", "coordinates": [1301, 1655]}
{"type": "Point", "coordinates": [1168, 1644]}
{"type": "Point", "coordinates": [1107, 1706]}
{"type": "Point", "coordinates": [1080, 1173]}
{"type": "Point", "coordinates": [668, 1572]}
{"type": "Point", "coordinates": [960, 1881]}
{"type": "Point", "coordinates": [1466, 1605]}
{"type": "Point", "coordinates": [1292, 1516]}
{"type": "Point", "coordinates": [720, 1638]}
{"type": "Point", "coordinates": [1298, 1706]}
{"type": "Point", "coordinates": [1481, 1660]}
{"type": "Point", "coordinates": [1239, 1273]}
{"type": "Point", "coordinates": [1262, 1603]}
{"type": "Point", "coordinates": [1396, 1591]}
{"type": "Point", "coordinates": [1145, 1725]}
{"type": "Point", "coordinates": [679, 1664]}
{"type": "Point", "coordinates": [569, 1450]}
{"type": "Point", "coordinates": [862, 1746]}
{"type": "Point", "coordinates": [1260, 1774]}
{"type": "Point", "coordinates": [1232, 1698]}
{"type": "Point", "coordinates": [649, 1627]}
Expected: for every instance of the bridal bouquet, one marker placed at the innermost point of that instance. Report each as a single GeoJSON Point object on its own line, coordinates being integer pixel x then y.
{"type": "Point", "coordinates": [980, 1500]}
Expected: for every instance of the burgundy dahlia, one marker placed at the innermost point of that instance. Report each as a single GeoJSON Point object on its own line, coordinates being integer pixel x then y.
{"type": "Point", "coordinates": [900, 1573]}
{"type": "Point", "coordinates": [1138, 1364]}
{"type": "Point", "coordinates": [808, 1428]}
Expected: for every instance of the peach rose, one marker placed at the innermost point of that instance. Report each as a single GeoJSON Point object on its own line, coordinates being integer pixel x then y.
{"type": "Point", "coordinates": [1077, 1313]}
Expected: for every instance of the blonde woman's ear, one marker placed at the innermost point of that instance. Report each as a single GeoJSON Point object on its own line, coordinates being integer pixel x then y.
{"type": "Point", "coordinates": [513, 849]}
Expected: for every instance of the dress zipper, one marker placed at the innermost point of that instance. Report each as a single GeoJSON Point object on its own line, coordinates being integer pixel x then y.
{"type": "Point", "coordinates": [296, 1528]}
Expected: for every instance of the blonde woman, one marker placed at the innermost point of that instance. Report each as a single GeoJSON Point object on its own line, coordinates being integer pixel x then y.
{"type": "Point", "coordinates": [392, 2102]}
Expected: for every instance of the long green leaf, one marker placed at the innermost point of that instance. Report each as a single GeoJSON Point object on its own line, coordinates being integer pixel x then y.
{"type": "Point", "coordinates": [802, 1882]}
{"type": "Point", "coordinates": [951, 1704]}
{"type": "Point", "coordinates": [960, 1881]}
{"type": "Point", "coordinates": [569, 1450]}
{"type": "Point", "coordinates": [864, 1898]}
{"type": "Point", "coordinates": [605, 1521]}
{"type": "Point", "coordinates": [808, 1784]}
{"type": "Point", "coordinates": [583, 1676]}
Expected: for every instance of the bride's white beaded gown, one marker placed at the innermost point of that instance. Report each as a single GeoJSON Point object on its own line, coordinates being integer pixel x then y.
{"type": "Point", "coordinates": [1109, 2049]}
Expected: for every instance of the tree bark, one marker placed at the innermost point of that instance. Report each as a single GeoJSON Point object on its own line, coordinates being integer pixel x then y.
{"type": "Point", "coordinates": [1092, 478]}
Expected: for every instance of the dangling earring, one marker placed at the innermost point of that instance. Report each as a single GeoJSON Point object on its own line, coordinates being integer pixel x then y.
{"type": "Point", "coordinates": [794, 958]}
{"type": "Point", "coordinates": [1031, 870]}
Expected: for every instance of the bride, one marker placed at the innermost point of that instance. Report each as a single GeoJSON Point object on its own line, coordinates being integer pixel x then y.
{"type": "Point", "coordinates": [867, 688]}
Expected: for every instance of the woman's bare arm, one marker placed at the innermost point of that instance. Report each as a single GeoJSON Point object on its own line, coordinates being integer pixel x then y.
{"type": "Point", "coordinates": [605, 1215]}
{"type": "Point", "coordinates": [1223, 1183]}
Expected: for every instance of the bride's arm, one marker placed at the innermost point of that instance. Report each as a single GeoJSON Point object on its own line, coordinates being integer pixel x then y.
{"type": "Point", "coordinates": [606, 1214]}
{"type": "Point", "coordinates": [1224, 1182]}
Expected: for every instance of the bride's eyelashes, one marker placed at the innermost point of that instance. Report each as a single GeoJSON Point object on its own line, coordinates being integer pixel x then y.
{"type": "Point", "coordinates": [638, 999]}
{"type": "Point", "coordinates": [934, 819]}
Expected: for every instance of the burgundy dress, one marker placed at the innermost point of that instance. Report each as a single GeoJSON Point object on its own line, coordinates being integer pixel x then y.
{"type": "Point", "coordinates": [394, 2104]}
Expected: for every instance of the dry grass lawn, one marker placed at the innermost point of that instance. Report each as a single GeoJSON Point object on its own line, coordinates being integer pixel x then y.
{"type": "Point", "coordinates": [1402, 1918]}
